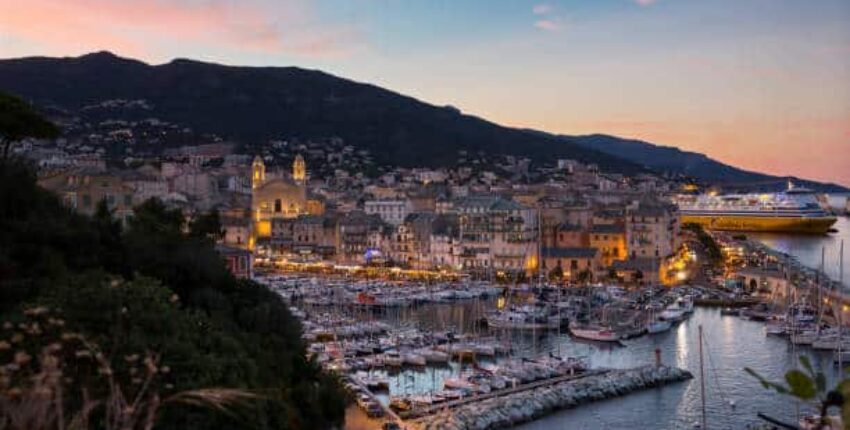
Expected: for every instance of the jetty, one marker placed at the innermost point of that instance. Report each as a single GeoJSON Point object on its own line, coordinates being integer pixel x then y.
{"type": "Point", "coordinates": [510, 407]}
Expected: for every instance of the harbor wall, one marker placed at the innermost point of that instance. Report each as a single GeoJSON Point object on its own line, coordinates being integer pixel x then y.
{"type": "Point", "coordinates": [512, 409]}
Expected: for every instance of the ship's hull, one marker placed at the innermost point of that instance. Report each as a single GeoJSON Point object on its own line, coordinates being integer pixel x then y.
{"type": "Point", "coordinates": [782, 224]}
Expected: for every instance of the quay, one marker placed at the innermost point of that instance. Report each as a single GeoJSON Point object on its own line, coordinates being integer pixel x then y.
{"type": "Point", "coordinates": [506, 409]}
{"type": "Point", "coordinates": [726, 303]}
{"type": "Point", "coordinates": [442, 407]}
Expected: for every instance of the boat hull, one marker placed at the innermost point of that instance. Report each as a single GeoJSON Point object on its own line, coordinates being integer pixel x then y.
{"type": "Point", "coordinates": [752, 223]}
{"type": "Point", "coordinates": [598, 335]}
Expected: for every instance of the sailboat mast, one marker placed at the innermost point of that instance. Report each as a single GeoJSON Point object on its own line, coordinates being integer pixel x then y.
{"type": "Point", "coordinates": [840, 313]}
{"type": "Point", "coordinates": [702, 379]}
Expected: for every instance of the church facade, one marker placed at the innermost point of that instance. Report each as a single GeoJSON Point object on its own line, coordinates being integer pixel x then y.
{"type": "Point", "coordinates": [276, 197]}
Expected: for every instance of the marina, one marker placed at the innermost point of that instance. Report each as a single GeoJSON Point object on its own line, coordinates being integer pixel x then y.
{"type": "Point", "coordinates": [408, 390]}
{"type": "Point", "coordinates": [426, 358]}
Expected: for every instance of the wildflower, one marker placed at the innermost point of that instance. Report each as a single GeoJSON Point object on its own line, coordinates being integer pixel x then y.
{"type": "Point", "coordinates": [21, 357]}
{"type": "Point", "coordinates": [36, 311]}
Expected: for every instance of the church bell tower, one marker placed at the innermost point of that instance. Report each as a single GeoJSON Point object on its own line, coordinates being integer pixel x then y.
{"type": "Point", "coordinates": [299, 169]}
{"type": "Point", "coordinates": [258, 172]}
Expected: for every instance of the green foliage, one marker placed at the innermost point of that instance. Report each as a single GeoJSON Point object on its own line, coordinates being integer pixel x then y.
{"type": "Point", "coordinates": [556, 274]}
{"type": "Point", "coordinates": [18, 121]}
{"type": "Point", "coordinates": [809, 385]}
{"type": "Point", "coordinates": [715, 256]}
{"type": "Point", "coordinates": [158, 285]}
{"type": "Point", "coordinates": [584, 275]}
{"type": "Point", "coordinates": [207, 225]}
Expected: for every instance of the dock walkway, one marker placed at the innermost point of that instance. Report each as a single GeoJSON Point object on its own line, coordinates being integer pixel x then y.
{"type": "Point", "coordinates": [430, 410]}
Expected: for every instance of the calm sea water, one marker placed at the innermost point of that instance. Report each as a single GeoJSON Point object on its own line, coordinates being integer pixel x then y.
{"type": "Point", "coordinates": [807, 248]}
{"type": "Point", "coordinates": [731, 344]}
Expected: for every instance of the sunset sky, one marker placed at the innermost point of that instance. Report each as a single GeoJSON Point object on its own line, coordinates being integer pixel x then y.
{"type": "Point", "coordinates": [761, 84]}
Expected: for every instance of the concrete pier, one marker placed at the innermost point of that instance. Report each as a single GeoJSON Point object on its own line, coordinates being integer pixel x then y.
{"type": "Point", "coordinates": [506, 409]}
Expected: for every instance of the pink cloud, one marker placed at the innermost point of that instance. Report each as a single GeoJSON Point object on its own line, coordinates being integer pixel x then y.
{"type": "Point", "coordinates": [548, 25]}
{"type": "Point", "coordinates": [132, 26]}
{"type": "Point", "coordinates": [645, 2]}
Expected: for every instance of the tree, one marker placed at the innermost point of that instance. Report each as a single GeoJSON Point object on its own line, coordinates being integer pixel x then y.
{"type": "Point", "coordinates": [19, 121]}
{"type": "Point", "coordinates": [207, 225]}
{"type": "Point", "coordinates": [154, 286]}
{"type": "Point", "coordinates": [584, 276]}
{"type": "Point", "coordinates": [712, 249]}
{"type": "Point", "coordinates": [556, 274]}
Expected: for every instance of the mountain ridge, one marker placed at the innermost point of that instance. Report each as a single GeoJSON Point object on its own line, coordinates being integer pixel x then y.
{"type": "Point", "coordinates": [250, 104]}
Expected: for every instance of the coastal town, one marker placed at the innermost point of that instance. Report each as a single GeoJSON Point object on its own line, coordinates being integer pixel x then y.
{"type": "Point", "coordinates": [360, 251]}
{"type": "Point", "coordinates": [424, 215]}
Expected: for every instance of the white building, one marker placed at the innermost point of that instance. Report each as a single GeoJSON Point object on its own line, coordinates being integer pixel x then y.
{"type": "Point", "coordinates": [391, 211]}
{"type": "Point", "coordinates": [652, 230]}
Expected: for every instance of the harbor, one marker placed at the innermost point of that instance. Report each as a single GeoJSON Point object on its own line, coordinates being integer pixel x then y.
{"type": "Point", "coordinates": [436, 361]}
{"type": "Point", "coordinates": [418, 349]}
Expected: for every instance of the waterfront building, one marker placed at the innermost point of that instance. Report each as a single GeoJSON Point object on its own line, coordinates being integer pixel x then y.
{"type": "Point", "coordinates": [497, 234]}
{"type": "Point", "coordinates": [767, 282]}
{"type": "Point", "coordinates": [638, 270]}
{"type": "Point", "coordinates": [575, 263]}
{"type": "Point", "coordinates": [610, 240]}
{"type": "Point", "coordinates": [313, 236]}
{"type": "Point", "coordinates": [444, 246]}
{"type": "Point", "coordinates": [652, 230]}
{"type": "Point", "coordinates": [570, 236]}
{"type": "Point", "coordinates": [357, 233]}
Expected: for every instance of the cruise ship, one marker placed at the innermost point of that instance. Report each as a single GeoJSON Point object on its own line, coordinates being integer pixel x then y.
{"type": "Point", "coordinates": [795, 210]}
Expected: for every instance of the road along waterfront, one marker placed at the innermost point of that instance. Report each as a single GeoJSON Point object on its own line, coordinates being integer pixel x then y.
{"type": "Point", "coordinates": [807, 248]}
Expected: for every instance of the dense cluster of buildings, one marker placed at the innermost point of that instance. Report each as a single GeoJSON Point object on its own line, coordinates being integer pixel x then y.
{"type": "Point", "coordinates": [572, 223]}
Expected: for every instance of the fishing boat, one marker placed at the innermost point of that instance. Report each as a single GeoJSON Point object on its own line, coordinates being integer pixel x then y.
{"type": "Point", "coordinates": [806, 337]}
{"type": "Point", "coordinates": [524, 318]}
{"type": "Point", "coordinates": [672, 313]}
{"type": "Point", "coordinates": [593, 332]}
{"type": "Point", "coordinates": [775, 329]}
{"type": "Point", "coordinates": [393, 359]}
{"type": "Point", "coordinates": [413, 359]}
{"type": "Point", "coordinates": [658, 326]}
{"type": "Point", "coordinates": [654, 324]}
{"type": "Point", "coordinates": [435, 356]}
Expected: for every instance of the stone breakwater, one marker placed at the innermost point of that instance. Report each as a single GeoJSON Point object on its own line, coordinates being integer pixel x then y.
{"type": "Point", "coordinates": [512, 409]}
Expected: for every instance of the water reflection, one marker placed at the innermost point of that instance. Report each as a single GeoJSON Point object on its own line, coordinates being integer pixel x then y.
{"type": "Point", "coordinates": [807, 248]}
{"type": "Point", "coordinates": [731, 344]}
